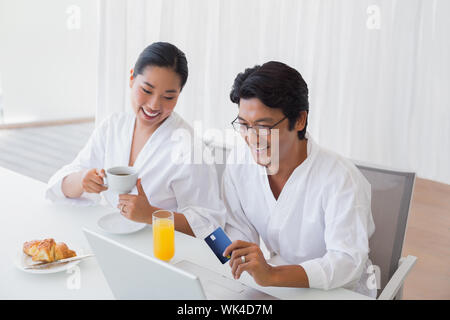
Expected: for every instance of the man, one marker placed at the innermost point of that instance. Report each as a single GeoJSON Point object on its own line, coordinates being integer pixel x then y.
{"type": "Point", "coordinates": [310, 206]}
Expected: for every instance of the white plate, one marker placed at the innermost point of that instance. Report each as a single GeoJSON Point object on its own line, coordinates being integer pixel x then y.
{"type": "Point", "coordinates": [117, 224]}
{"type": "Point", "coordinates": [22, 260]}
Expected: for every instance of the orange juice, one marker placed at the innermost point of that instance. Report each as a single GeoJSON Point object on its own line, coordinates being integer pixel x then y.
{"type": "Point", "coordinates": [163, 239]}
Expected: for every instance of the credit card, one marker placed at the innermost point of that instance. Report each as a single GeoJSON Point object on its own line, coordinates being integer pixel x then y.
{"type": "Point", "coordinates": [218, 241]}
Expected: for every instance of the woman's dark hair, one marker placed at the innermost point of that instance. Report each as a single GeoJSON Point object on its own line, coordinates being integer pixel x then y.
{"type": "Point", "coordinates": [277, 86]}
{"type": "Point", "coordinates": [163, 54]}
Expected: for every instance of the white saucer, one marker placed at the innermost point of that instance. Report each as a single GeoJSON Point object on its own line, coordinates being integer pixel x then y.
{"type": "Point", "coordinates": [22, 260]}
{"type": "Point", "coordinates": [117, 224]}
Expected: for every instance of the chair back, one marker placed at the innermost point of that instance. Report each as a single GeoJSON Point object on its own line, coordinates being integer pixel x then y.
{"type": "Point", "coordinates": [391, 199]}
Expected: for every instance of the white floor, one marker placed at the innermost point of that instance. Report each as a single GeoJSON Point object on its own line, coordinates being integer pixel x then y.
{"type": "Point", "coordinates": [39, 152]}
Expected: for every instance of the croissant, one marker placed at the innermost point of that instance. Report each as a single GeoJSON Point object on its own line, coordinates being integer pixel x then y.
{"type": "Point", "coordinates": [30, 248]}
{"type": "Point", "coordinates": [63, 252]}
{"type": "Point", "coordinates": [47, 250]}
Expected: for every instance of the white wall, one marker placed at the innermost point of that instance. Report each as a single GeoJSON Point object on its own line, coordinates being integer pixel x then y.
{"type": "Point", "coordinates": [48, 65]}
{"type": "Point", "coordinates": [378, 70]}
{"type": "Point", "coordinates": [379, 91]}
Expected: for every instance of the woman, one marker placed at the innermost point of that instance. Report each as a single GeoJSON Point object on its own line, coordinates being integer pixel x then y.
{"type": "Point", "coordinates": [144, 139]}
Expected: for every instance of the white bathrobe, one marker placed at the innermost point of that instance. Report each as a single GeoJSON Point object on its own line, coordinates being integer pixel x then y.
{"type": "Point", "coordinates": [322, 219]}
{"type": "Point", "coordinates": [180, 186]}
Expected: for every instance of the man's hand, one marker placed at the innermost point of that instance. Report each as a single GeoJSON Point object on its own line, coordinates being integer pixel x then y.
{"type": "Point", "coordinates": [253, 262]}
{"type": "Point", "coordinates": [136, 207]}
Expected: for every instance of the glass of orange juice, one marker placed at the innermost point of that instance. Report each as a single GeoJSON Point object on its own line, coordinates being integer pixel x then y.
{"type": "Point", "coordinates": [163, 234]}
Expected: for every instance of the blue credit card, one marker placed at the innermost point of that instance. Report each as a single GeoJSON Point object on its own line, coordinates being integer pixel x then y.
{"type": "Point", "coordinates": [218, 241]}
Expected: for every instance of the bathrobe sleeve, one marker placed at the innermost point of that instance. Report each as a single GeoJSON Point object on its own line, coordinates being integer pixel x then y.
{"type": "Point", "coordinates": [238, 226]}
{"type": "Point", "coordinates": [348, 226]}
{"type": "Point", "coordinates": [197, 192]}
{"type": "Point", "coordinates": [91, 156]}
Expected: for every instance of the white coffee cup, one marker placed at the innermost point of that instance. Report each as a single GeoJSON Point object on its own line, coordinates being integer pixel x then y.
{"type": "Point", "coordinates": [121, 179]}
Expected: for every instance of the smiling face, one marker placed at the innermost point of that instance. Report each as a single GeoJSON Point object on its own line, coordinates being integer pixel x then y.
{"type": "Point", "coordinates": [253, 112]}
{"type": "Point", "coordinates": [154, 94]}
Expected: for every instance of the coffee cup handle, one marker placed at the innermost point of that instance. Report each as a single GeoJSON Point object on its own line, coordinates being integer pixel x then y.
{"type": "Point", "coordinates": [105, 180]}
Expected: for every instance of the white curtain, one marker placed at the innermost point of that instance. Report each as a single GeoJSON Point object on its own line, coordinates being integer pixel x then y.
{"type": "Point", "coordinates": [378, 71]}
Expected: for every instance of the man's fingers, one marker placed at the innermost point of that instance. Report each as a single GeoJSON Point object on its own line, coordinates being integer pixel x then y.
{"type": "Point", "coordinates": [236, 245]}
{"type": "Point", "coordinates": [237, 253]}
{"type": "Point", "coordinates": [238, 267]}
{"type": "Point", "coordinates": [241, 268]}
{"type": "Point", "coordinates": [236, 259]}
{"type": "Point", "coordinates": [234, 265]}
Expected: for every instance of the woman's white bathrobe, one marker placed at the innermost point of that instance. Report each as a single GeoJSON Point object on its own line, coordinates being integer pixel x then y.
{"type": "Point", "coordinates": [169, 181]}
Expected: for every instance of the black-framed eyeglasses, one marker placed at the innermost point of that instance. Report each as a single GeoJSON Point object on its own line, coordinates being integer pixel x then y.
{"type": "Point", "coordinates": [244, 129]}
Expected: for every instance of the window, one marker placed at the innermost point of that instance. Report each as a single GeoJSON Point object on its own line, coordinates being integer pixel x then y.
{"type": "Point", "coordinates": [48, 60]}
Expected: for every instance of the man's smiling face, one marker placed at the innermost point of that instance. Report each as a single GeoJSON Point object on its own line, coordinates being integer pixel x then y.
{"type": "Point", "coordinates": [252, 112]}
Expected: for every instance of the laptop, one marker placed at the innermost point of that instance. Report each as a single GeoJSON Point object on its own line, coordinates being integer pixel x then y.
{"type": "Point", "coordinates": [133, 275]}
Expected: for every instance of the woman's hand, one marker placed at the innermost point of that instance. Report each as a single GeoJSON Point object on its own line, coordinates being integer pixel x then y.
{"type": "Point", "coordinates": [253, 262]}
{"type": "Point", "coordinates": [92, 181]}
{"type": "Point", "coordinates": [136, 207]}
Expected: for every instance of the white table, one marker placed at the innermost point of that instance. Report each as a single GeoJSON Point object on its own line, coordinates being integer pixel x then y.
{"type": "Point", "coordinates": [25, 215]}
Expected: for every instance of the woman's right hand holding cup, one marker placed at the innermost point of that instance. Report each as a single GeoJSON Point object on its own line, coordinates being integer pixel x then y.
{"type": "Point", "coordinates": [92, 181]}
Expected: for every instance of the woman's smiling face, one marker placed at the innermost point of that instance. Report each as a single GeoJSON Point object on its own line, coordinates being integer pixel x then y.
{"type": "Point", "coordinates": [154, 94]}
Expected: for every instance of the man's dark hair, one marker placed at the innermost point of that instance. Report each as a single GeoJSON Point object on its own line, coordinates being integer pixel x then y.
{"type": "Point", "coordinates": [277, 86]}
{"type": "Point", "coordinates": [163, 54]}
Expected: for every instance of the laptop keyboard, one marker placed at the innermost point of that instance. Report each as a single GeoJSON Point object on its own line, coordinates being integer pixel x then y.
{"type": "Point", "coordinates": [208, 276]}
{"type": "Point", "coordinates": [218, 286]}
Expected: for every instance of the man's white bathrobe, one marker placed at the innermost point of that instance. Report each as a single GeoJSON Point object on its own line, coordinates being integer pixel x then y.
{"type": "Point", "coordinates": [180, 186]}
{"type": "Point", "coordinates": [322, 219]}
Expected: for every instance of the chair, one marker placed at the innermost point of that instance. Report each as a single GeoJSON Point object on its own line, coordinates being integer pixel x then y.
{"type": "Point", "coordinates": [391, 198]}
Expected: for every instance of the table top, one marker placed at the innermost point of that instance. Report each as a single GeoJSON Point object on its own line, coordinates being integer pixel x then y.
{"type": "Point", "coordinates": [25, 215]}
